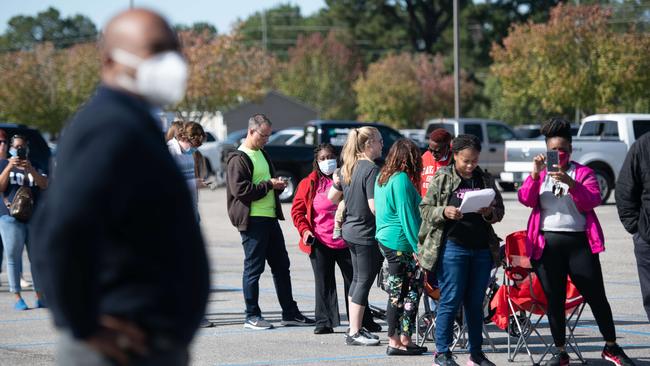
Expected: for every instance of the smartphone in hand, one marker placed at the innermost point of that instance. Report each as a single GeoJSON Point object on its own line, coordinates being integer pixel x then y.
{"type": "Point", "coordinates": [552, 161]}
{"type": "Point", "coordinates": [310, 240]}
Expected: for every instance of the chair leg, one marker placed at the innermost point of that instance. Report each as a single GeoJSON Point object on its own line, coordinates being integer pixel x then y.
{"type": "Point", "coordinates": [571, 325]}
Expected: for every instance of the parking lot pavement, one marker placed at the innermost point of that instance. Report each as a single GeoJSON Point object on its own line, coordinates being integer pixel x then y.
{"type": "Point", "coordinates": [28, 338]}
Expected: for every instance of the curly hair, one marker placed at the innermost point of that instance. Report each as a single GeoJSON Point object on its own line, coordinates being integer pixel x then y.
{"type": "Point", "coordinates": [556, 127]}
{"type": "Point", "coordinates": [403, 156]}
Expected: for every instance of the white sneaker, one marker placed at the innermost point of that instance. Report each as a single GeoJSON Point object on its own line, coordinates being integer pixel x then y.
{"type": "Point", "coordinates": [257, 322]}
{"type": "Point", "coordinates": [25, 283]}
{"type": "Point", "coordinates": [361, 339]}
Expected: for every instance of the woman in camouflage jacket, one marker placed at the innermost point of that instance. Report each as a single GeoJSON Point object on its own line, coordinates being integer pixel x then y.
{"type": "Point", "coordinates": [460, 248]}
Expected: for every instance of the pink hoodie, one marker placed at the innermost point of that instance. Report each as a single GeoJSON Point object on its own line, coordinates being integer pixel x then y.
{"type": "Point", "coordinates": [586, 196]}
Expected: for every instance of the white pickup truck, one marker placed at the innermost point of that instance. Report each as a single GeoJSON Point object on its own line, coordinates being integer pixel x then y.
{"type": "Point", "coordinates": [601, 144]}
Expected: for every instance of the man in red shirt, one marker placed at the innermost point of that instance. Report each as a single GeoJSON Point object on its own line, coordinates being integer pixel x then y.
{"type": "Point", "coordinates": [436, 157]}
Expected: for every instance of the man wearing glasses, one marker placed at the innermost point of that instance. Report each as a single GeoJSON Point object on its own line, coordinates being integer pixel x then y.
{"type": "Point", "coordinates": [436, 156]}
{"type": "Point", "coordinates": [254, 209]}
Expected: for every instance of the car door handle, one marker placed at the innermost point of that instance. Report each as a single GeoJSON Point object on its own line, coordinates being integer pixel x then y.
{"type": "Point", "coordinates": [493, 149]}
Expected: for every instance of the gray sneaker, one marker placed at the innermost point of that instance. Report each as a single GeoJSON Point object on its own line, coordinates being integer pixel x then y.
{"type": "Point", "coordinates": [258, 323]}
{"type": "Point", "coordinates": [445, 359]}
{"type": "Point", "coordinates": [360, 339]}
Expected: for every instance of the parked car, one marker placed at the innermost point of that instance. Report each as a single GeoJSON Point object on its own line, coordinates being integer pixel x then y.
{"type": "Point", "coordinates": [39, 151]}
{"type": "Point", "coordinates": [528, 132]}
{"type": "Point", "coordinates": [212, 153]}
{"type": "Point", "coordinates": [418, 135]}
{"type": "Point", "coordinates": [601, 144]}
{"type": "Point", "coordinates": [493, 135]}
{"type": "Point", "coordinates": [295, 161]}
{"type": "Point", "coordinates": [288, 136]}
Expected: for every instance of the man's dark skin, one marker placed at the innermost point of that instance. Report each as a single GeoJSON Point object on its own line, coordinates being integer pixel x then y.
{"type": "Point", "coordinates": [142, 33]}
{"type": "Point", "coordinates": [438, 150]}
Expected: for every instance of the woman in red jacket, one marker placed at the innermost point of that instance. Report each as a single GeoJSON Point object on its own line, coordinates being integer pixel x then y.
{"type": "Point", "coordinates": [313, 215]}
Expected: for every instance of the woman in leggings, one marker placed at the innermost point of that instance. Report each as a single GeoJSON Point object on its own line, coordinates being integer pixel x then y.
{"type": "Point", "coordinates": [357, 184]}
{"type": "Point", "coordinates": [566, 238]}
{"type": "Point", "coordinates": [398, 223]}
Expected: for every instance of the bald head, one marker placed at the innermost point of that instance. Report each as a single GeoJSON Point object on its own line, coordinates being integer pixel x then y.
{"type": "Point", "coordinates": [140, 32]}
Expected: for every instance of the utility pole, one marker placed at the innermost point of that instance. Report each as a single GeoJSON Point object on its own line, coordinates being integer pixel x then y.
{"type": "Point", "coordinates": [264, 31]}
{"type": "Point", "coordinates": [456, 63]}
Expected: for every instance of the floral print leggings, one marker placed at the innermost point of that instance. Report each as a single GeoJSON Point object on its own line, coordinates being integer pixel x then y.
{"type": "Point", "coordinates": [404, 290]}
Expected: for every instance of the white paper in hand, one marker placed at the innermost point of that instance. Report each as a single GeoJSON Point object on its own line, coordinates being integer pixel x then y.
{"type": "Point", "coordinates": [475, 200]}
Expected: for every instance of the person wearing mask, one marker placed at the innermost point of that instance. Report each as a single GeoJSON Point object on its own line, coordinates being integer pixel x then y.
{"type": "Point", "coordinates": [460, 247]}
{"type": "Point", "coordinates": [3, 155]}
{"type": "Point", "coordinates": [357, 187]}
{"type": "Point", "coordinates": [252, 195]}
{"type": "Point", "coordinates": [117, 246]}
{"type": "Point", "coordinates": [17, 173]}
{"type": "Point", "coordinates": [437, 155]}
{"type": "Point", "coordinates": [633, 204]}
{"type": "Point", "coordinates": [565, 239]}
{"type": "Point", "coordinates": [313, 215]}
{"type": "Point", "coordinates": [398, 223]}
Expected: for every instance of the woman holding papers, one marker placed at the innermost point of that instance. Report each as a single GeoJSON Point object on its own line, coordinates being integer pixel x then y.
{"type": "Point", "coordinates": [565, 237]}
{"type": "Point", "coordinates": [460, 247]}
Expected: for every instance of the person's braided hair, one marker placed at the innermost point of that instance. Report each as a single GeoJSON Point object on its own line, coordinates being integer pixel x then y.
{"type": "Point", "coordinates": [462, 142]}
{"type": "Point", "coordinates": [556, 127]}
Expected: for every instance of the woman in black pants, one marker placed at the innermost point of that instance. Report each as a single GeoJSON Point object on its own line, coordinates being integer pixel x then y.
{"type": "Point", "coordinates": [566, 238]}
{"type": "Point", "coordinates": [357, 184]}
{"type": "Point", "coordinates": [313, 215]}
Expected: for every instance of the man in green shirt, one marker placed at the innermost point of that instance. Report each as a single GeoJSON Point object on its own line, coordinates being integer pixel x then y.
{"type": "Point", "coordinates": [254, 209]}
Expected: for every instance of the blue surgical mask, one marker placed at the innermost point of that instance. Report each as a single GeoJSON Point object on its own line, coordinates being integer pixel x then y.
{"type": "Point", "coordinates": [190, 151]}
{"type": "Point", "coordinates": [13, 152]}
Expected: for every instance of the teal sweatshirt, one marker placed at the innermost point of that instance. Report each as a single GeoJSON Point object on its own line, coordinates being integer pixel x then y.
{"type": "Point", "coordinates": [397, 213]}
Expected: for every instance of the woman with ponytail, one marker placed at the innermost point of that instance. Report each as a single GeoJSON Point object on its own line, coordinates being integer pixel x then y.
{"type": "Point", "coordinates": [356, 186]}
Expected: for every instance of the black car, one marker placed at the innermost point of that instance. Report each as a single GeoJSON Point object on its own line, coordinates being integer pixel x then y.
{"type": "Point", "coordinates": [39, 152]}
{"type": "Point", "coordinates": [295, 161]}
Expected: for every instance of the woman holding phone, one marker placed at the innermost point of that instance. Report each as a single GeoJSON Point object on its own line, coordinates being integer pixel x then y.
{"type": "Point", "coordinates": [565, 238]}
{"type": "Point", "coordinates": [313, 215]}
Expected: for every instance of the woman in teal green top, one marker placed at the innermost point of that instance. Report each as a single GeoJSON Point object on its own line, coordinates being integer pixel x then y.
{"type": "Point", "coordinates": [398, 222]}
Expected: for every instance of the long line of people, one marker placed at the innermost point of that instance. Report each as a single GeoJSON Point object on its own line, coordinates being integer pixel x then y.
{"type": "Point", "coordinates": [407, 213]}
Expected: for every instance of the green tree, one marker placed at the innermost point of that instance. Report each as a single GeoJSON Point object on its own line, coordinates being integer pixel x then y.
{"type": "Point", "coordinates": [405, 89]}
{"type": "Point", "coordinates": [223, 72]}
{"type": "Point", "coordinates": [44, 87]}
{"type": "Point", "coordinates": [199, 28]}
{"type": "Point", "coordinates": [320, 72]}
{"type": "Point", "coordinates": [24, 32]}
{"type": "Point", "coordinates": [574, 61]}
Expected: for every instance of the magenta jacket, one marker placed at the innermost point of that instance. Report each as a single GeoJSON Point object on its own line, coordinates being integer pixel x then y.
{"type": "Point", "coordinates": [585, 194]}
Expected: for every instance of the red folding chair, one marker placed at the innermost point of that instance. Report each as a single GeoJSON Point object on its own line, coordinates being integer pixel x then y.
{"type": "Point", "coordinates": [520, 303]}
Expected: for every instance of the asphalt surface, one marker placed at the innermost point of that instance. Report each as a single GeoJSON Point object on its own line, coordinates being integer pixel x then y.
{"type": "Point", "coordinates": [29, 338]}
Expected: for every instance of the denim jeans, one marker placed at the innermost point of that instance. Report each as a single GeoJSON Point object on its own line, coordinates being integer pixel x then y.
{"type": "Point", "coordinates": [463, 276]}
{"type": "Point", "coordinates": [14, 238]}
{"type": "Point", "coordinates": [263, 242]}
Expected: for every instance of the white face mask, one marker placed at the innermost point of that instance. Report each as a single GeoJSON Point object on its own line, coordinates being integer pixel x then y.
{"type": "Point", "coordinates": [161, 79]}
{"type": "Point", "coordinates": [328, 166]}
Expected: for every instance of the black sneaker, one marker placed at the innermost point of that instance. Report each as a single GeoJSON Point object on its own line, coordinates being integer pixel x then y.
{"type": "Point", "coordinates": [445, 359]}
{"type": "Point", "coordinates": [298, 320]}
{"type": "Point", "coordinates": [479, 359]}
{"type": "Point", "coordinates": [323, 329]}
{"type": "Point", "coordinates": [359, 339]}
{"type": "Point", "coordinates": [371, 326]}
{"type": "Point", "coordinates": [559, 359]}
{"type": "Point", "coordinates": [615, 355]}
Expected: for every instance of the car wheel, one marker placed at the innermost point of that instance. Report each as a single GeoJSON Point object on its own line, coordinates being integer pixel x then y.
{"type": "Point", "coordinates": [290, 190]}
{"type": "Point", "coordinates": [605, 183]}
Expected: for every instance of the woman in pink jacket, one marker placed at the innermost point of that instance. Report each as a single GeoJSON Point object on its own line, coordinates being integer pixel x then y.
{"type": "Point", "coordinates": [565, 237]}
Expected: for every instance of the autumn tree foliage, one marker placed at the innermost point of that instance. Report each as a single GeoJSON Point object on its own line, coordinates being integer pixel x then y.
{"type": "Point", "coordinates": [45, 86]}
{"type": "Point", "coordinates": [223, 72]}
{"type": "Point", "coordinates": [574, 61]}
{"type": "Point", "coordinates": [320, 72]}
{"type": "Point", "coordinates": [405, 89]}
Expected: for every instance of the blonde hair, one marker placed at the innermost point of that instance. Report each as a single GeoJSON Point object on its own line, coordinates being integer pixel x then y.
{"type": "Point", "coordinates": [354, 148]}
